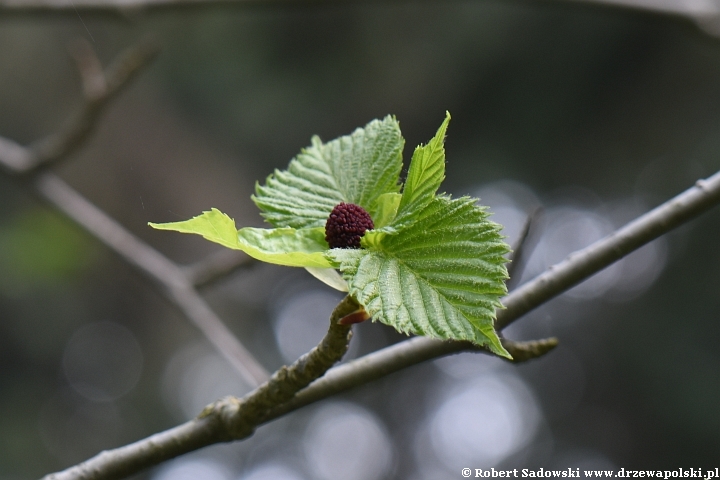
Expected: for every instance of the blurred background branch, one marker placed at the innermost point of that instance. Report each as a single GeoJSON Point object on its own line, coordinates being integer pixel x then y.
{"type": "Point", "coordinates": [705, 13]}
{"type": "Point", "coordinates": [177, 286]}
{"type": "Point", "coordinates": [680, 7]}
{"type": "Point", "coordinates": [522, 249]}
{"type": "Point", "coordinates": [216, 266]}
{"type": "Point", "coordinates": [99, 88]}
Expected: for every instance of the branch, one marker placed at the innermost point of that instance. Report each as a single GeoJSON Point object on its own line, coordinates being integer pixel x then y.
{"type": "Point", "coordinates": [99, 88]}
{"type": "Point", "coordinates": [584, 263]}
{"type": "Point", "coordinates": [577, 267]}
{"type": "Point", "coordinates": [175, 284]}
{"type": "Point", "coordinates": [91, 72]}
{"type": "Point", "coordinates": [217, 266]}
{"type": "Point", "coordinates": [695, 11]}
{"type": "Point", "coordinates": [227, 419]}
{"type": "Point", "coordinates": [523, 248]}
{"type": "Point", "coordinates": [395, 358]}
{"type": "Point", "coordinates": [70, 6]}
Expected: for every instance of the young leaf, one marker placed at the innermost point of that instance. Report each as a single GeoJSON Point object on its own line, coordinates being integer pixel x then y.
{"type": "Point", "coordinates": [432, 266]}
{"type": "Point", "coordinates": [282, 246]}
{"type": "Point", "coordinates": [356, 168]}
{"type": "Point", "coordinates": [286, 246]}
{"type": "Point", "coordinates": [426, 173]}
{"type": "Point", "coordinates": [213, 225]}
{"type": "Point", "coordinates": [441, 276]}
{"type": "Point", "coordinates": [387, 209]}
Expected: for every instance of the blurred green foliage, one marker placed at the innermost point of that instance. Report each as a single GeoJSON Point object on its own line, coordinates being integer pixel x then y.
{"type": "Point", "coordinates": [41, 248]}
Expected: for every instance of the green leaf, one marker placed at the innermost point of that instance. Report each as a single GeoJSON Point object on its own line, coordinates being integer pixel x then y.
{"type": "Point", "coordinates": [426, 173]}
{"type": "Point", "coordinates": [441, 276]}
{"type": "Point", "coordinates": [282, 246]}
{"type": "Point", "coordinates": [387, 209]}
{"type": "Point", "coordinates": [356, 168]}
{"type": "Point", "coordinates": [213, 225]}
{"type": "Point", "coordinates": [286, 246]}
{"type": "Point", "coordinates": [432, 266]}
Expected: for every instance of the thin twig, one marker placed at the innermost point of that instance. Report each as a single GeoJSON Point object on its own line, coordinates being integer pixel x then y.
{"type": "Point", "coordinates": [217, 266]}
{"type": "Point", "coordinates": [705, 15]}
{"type": "Point", "coordinates": [227, 419]}
{"type": "Point", "coordinates": [579, 266]}
{"type": "Point", "coordinates": [13, 156]}
{"type": "Point", "coordinates": [91, 70]}
{"type": "Point", "coordinates": [117, 76]}
{"type": "Point", "coordinates": [582, 264]}
{"type": "Point", "coordinates": [523, 248]}
{"type": "Point", "coordinates": [99, 89]}
{"type": "Point", "coordinates": [694, 10]}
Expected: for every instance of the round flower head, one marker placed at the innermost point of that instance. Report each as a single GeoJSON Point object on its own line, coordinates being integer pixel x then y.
{"type": "Point", "coordinates": [346, 225]}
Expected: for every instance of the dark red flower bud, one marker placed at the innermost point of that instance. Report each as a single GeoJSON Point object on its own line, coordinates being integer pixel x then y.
{"type": "Point", "coordinates": [346, 225]}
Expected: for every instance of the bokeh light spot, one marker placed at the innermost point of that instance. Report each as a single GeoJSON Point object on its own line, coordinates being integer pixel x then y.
{"type": "Point", "coordinates": [102, 361]}
{"type": "Point", "coordinates": [483, 422]}
{"type": "Point", "coordinates": [349, 442]}
{"type": "Point", "coordinates": [192, 469]}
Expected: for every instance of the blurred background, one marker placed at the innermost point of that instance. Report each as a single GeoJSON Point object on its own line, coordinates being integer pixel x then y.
{"type": "Point", "coordinates": [595, 113]}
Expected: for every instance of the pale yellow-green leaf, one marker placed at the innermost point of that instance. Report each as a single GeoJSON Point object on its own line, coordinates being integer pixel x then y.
{"type": "Point", "coordinates": [387, 205]}
{"type": "Point", "coordinates": [330, 277]}
{"type": "Point", "coordinates": [283, 246]}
